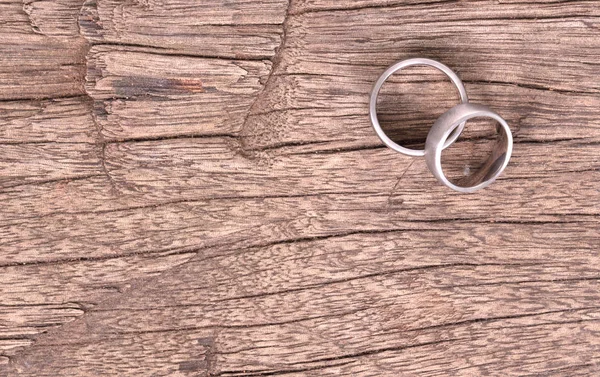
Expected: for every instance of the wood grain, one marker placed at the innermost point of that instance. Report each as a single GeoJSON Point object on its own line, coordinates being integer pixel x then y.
{"type": "Point", "coordinates": [54, 18]}
{"type": "Point", "coordinates": [243, 29]}
{"type": "Point", "coordinates": [187, 95]}
{"type": "Point", "coordinates": [33, 65]}
{"type": "Point", "coordinates": [196, 190]}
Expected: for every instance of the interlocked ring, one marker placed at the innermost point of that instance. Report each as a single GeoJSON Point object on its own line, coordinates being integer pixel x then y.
{"type": "Point", "coordinates": [390, 71]}
{"type": "Point", "coordinates": [449, 122]}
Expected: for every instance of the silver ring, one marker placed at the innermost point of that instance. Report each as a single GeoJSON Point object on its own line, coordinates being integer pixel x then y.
{"type": "Point", "coordinates": [390, 71]}
{"type": "Point", "coordinates": [450, 121]}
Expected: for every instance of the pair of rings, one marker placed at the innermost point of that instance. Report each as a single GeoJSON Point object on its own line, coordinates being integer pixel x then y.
{"type": "Point", "coordinates": [447, 129]}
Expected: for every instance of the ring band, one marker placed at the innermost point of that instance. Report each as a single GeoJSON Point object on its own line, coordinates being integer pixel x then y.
{"type": "Point", "coordinates": [390, 71]}
{"type": "Point", "coordinates": [449, 122]}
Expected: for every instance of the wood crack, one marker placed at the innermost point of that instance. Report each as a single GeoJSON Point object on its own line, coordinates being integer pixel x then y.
{"type": "Point", "coordinates": [399, 4]}
{"type": "Point", "coordinates": [245, 149]}
{"type": "Point", "coordinates": [376, 351]}
{"type": "Point", "coordinates": [532, 87]}
{"type": "Point", "coordinates": [158, 50]}
{"type": "Point", "coordinates": [360, 277]}
{"type": "Point", "coordinates": [51, 181]}
{"type": "Point", "coordinates": [277, 373]}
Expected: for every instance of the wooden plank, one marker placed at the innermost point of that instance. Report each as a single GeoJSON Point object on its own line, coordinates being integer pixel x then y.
{"type": "Point", "coordinates": [186, 95]}
{"type": "Point", "coordinates": [358, 79]}
{"type": "Point", "coordinates": [39, 297]}
{"type": "Point", "coordinates": [281, 119]}
{"type": "Point", "coordinates": [367, 47]}
{"type": "Point", "coordinates": [57, 18]}
{"type": "Point", "coordinates": [47, 121]}
{"type": "Point", "coordinates": [240, 30]}
{"type": "Point", "coordinates": [13, 19]}
{"type": "Point", "coordinates": [38, 163]}
{"type": "Point", "coordinates": [195, 225]}
{"type": "Point", "coordinates": [47, 140]}
{"type": "Point", "coordinates": [35, 67]}
{"type": "Point", "coordinates": [322, 59]}
{"type": "Point", "coordinates": [508, 9]}
{"type": "Point", "coordinates": [314, 302]}
{"type": "Point", "coordinates": [32, 65]}
{"type": "Point", "coordinates": [219, 167]}
{"type": "Point", "coordinates": [211, 199]}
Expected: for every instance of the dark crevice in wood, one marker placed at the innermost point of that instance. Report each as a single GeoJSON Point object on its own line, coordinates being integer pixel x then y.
{"type": "Point", "coordinates": [414, 142]}
{"type": "Point", "coordinates": [393, 190]}
{"type": "Point", "coordinates": [171, 137]}
{"type": "Point", "coordinates": [460, 220]}
{"type": "Point", "coordinates": [51, 181]}
{"type": "Point", "coordinates": [158, 50]}
{"type": "Point", "coordinates": [213, 327]}
{"type": "Point", "coordinates": [16, 337]}
{"type": "Point", "coordinates": [592, 215]}
{"type": "Point", "coordinates": [316, 238]}
{"type": "Point", "coordinates": [168, 252]}
{"type": "Point", "coordinates": [300, 143]}
{"type": "Point", "coordinates": [445, 325]}
{"type": "Point", "coordinates": [362, 277]}
{"type": "Point", "coordinates": [193, 249]}
{"type": "Point", "coordinates": [533, 176]}
{"type": "Point", "coordinates": [342, 150]}
{"type": "Point", "coordinates": [308, 108]}
{"type": "Point", "coordinates": [61, 305]}
{"type": "Point", "coordinates": [553, 323]}
{"type": "Point", "coordinates": [399, 4]}
{"type": "Point", "coordinates": [42, 98]}
{"type": "Point", "coordinates": [101, 144]}
{"type": "Point", "coordinates": [42, 142]}
{"type": "Point", "coordinates": [277, 373]}
{"type": "Point", "coordinates": [318, 74]}
{"type": "Point", "coordinates": [571, 17]}
{"type": "Point", "coordinates": [379, 350]}
{"type": "Point", "coordinates": [289, 322]}
{"type": "Point", "coordinates": [577, 140]}
{"type": "Point", "coordinates": [287, 144]}
{"type": "Point", "coordinates": [532, 87]}
{"type": "Point", "coordinates": [403, 330]}
{"type": "Point", "coordinates": [560, 280]}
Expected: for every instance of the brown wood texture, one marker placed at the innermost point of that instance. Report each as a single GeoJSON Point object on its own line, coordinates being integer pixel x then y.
{"type": "Point", "coordinates": [193, 188]}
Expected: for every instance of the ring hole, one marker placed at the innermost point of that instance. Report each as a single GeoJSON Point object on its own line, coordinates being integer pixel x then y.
{"type": "Point", "coordinates": [411, 100]}
{"type": "Point", "coordinates": [477, 155]}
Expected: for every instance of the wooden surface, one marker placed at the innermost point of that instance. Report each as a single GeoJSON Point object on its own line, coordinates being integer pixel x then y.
{"type": "Point", "coordinates": [194, 189]}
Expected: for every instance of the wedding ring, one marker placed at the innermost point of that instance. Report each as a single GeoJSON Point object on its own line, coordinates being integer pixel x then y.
{"type": "Point", "coordinates": [440, 133]}
{"type": "Point", "coordinates": [375, 93]}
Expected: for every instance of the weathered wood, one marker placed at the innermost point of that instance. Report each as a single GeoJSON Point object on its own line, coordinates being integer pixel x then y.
{"type": "Point", "coordinates": [195, 189]}
{"type": "Point", "coordinates": [47, 140]}
{"type": "Point", "coordinates": [57, 18]}
{"type": "Point", "coordinates": [239, 30]}
{"type": "Point", "coordinates": [354, 297]}
{"type": "Point", "coordinates": [185, 95]}
{"type": "Point", "coordinates": [34, 66]}
{"type": "Point", "coordinates": [63, 120]}
{"type": "Point", "coordinates": [38, 297]}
